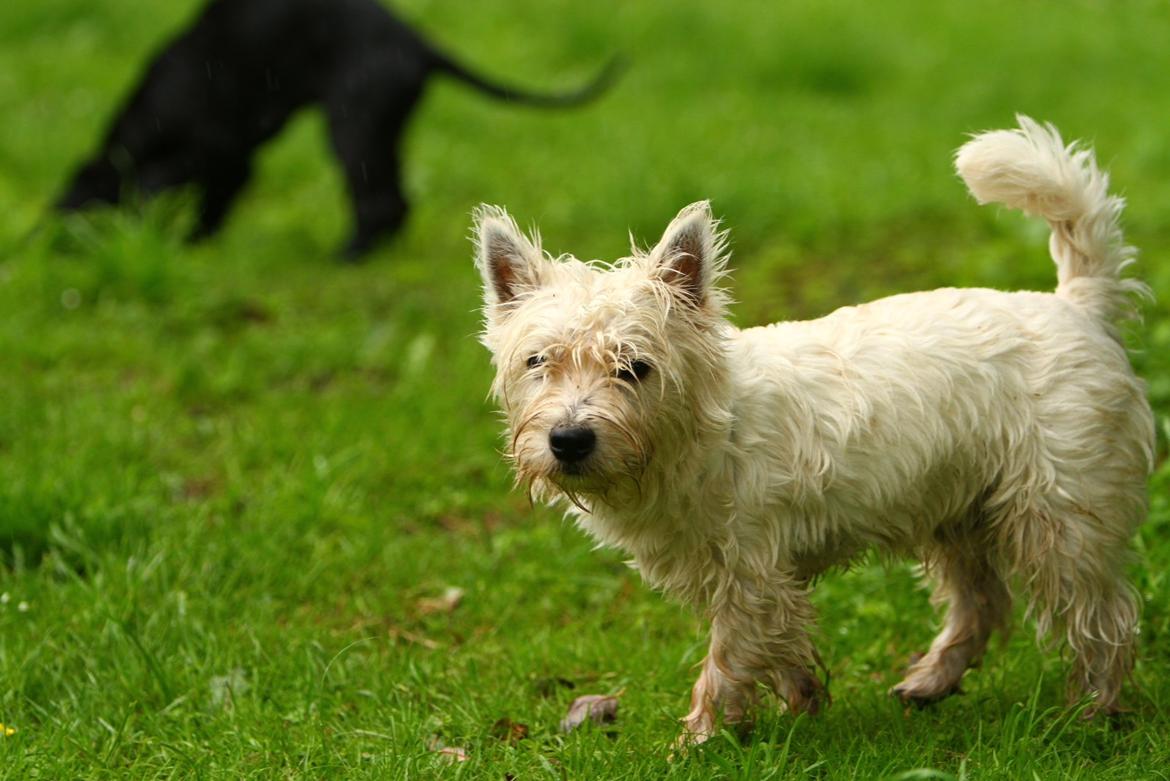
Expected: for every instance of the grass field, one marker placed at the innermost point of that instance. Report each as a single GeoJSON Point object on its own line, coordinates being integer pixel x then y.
{"type": "Point", "coordinates": [235, 478]}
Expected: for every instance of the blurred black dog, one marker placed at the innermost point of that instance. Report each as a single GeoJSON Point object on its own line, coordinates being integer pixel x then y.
{"type": "Point", "coordinates": [232, 80]}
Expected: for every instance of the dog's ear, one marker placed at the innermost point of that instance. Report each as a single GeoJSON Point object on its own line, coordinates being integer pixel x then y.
{"type": "Point", "coordinates": [509, 261]}
{"type": "Point", "coordinates": [690, 253]}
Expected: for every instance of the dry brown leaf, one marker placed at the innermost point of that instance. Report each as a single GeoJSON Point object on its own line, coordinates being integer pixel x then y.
{"type": "Point", "coordinates": [446, 603]}
{"type": "Point", "coordinates": [598, 708]}
{"type": "Point", "coordinates": [446, 753]}
{"type": "Point", "coordinates": [511, 732]}
{"type": "Point", "coordinates": [411, 637]}
{"type": "Point", "coordinates": [452, 754]}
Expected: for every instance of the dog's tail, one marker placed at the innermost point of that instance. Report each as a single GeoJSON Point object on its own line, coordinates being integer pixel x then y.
{"type": "Point", "coordinates": [584, 94]}
{"type": "Point", "coordinates": [1030, 168]}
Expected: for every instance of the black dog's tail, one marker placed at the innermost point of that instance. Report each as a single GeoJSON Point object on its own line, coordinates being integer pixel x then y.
{"type": "Point", "coordinates": [600, 84]}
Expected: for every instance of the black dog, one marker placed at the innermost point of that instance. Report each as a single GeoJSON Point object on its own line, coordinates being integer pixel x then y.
{"type": "Point", "coordinates": [232, 80]}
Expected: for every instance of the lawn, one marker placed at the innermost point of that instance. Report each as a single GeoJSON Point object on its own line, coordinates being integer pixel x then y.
{"type": "Point", "coordinates": [237, 480]}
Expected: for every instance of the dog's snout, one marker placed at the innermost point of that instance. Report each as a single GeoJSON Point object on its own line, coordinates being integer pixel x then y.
{"type": "Point", "coordinates": [571, 444]}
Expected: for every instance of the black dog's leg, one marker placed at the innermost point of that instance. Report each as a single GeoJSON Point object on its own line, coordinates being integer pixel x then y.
{"type": "Point", "coordinates": [365, 130]}
{"type": "Point", "coordinates": [220, 189]}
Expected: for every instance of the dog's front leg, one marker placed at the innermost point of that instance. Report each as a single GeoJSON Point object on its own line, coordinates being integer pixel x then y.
{"type": "Point", "coordinates": [759, 634]}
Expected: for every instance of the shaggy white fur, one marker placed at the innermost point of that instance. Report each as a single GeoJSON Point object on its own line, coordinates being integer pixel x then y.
{"type": "Point", "coordinates": [999, 438]}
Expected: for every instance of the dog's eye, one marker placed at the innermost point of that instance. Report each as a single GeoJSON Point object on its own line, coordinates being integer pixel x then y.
{"type": "Point", "coordinates": [635, 372]}
{"type": "Point", "coordinates": [535, 361]}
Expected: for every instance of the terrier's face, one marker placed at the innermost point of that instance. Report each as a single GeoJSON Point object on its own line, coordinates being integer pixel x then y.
{"type": "Point", "coordinates": [598, 366]}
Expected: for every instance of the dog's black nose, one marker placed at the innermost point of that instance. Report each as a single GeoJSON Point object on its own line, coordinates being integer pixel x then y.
{"type": "Point", "coordinates": [571, 444]}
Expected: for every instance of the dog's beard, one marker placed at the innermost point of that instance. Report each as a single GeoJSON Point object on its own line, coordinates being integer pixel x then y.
{"type": "Point", "coordinates": [616, 469]}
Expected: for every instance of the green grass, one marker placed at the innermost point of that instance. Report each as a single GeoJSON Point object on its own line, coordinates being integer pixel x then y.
{"type": "Point", "coordinates": [230, 473]}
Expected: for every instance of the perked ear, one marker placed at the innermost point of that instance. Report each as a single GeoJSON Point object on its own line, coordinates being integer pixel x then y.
{"type": "Point", "coordinates": [690, 253]}
{"type": "Point", "coordinates": [509, 261]}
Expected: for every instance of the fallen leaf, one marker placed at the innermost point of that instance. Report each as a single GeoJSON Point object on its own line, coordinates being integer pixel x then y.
{"type": "Point", "coordinates": [452, 754]}
{"type": "Point", "coordinates": [511, 732]}
{"type": "Point", "coordinates": [411, 637]}
{"type": "Point", "coordinates": [446, 603]}
{"type": "Point", "coordinates": [598, 708]}
{"type": "Point", "coordinates": [446, 753]}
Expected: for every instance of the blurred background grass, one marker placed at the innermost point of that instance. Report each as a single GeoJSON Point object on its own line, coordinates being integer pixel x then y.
{"type": "Point", "coordinates": [230, 473]}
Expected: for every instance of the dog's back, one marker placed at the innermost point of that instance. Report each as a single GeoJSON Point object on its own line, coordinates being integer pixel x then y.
{"type": "Point", "coordinates": [262, 58]}
{"type": "Point", "coordinates": [921, 404]}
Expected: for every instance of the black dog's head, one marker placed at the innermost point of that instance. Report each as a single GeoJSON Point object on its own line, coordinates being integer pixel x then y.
{"type": "Point", "coordinates": [97, 182]}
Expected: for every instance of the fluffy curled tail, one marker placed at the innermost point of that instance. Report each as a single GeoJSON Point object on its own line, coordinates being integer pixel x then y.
{"type": "Point", "coordinates": [1031, 169]}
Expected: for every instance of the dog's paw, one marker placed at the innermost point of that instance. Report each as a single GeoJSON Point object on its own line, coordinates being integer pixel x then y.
{"type": "Point", "coordinates": [1114, 716]}
{"type": "Point", "coordinates": [689, 739]}
{"type": "Point", "coordinates": [806, 693]}
{"type": "Point", "coordinates": [698, 727]}
{"type": "Point", "coordinates": [925, 683]}
{"type": "Point", "coordinates": [915, 693]}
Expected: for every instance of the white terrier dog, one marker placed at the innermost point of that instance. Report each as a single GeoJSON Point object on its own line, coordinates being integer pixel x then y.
{"type": "Point", "coordinates": [995, 437]}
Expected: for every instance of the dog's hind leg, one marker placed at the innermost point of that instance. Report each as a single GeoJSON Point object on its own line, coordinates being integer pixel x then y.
{"type": "Point", "coordinates": [1102, 631]}
{"type": "Point", "coordinates": [977, 601]}
{"type": "Point", "coordinates": [1079, 589]}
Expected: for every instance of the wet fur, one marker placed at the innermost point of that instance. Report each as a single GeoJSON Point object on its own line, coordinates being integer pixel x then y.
{"type": "Point", "coordinates": [1001, 439]}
